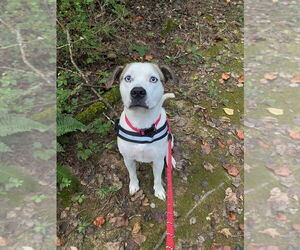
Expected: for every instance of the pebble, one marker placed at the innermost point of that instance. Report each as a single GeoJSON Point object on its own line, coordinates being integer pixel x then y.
{"type": "Point", "coordinates": [204, 183]}
{"type": "Point", "coordinates": [193, 220]}
{"type": "Point", "coordinates": [152, 205]}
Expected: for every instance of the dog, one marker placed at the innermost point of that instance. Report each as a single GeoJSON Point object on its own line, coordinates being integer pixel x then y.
{"type": "Point", "coordinates": [142, 127]}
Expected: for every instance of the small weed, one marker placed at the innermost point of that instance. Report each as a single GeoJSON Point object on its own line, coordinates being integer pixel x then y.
{"type": "Point", "coordinates": [82, 227]}
{"type": "Point", "coordinates": [65, 182]}
{"type": "Point", "coordinates": [80, 198]}
{"type": "Point", "coordinates": [13, 183]}
{"type": "Point", "coordinates": [107, 190]}
{"type": "Point", "coordinates": [37, 198]}
{"type": "Point", "coordinates": [139, 48]}
{"type": "Point", "coordinates": [101, 127]}
{"type": "Point", "coordinates": [41, 227]}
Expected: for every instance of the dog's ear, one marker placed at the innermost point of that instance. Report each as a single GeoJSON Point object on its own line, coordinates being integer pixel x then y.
{"type": "Point", "coordinates": [115, 75]}
{"type": "Point", "coordinates": [169, 74]}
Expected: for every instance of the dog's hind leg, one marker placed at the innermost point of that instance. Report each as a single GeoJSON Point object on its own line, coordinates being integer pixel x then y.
{"type": "Point", "coordinates": [159, 191]}
{"type": "Point", "coordinates": [134, 182]}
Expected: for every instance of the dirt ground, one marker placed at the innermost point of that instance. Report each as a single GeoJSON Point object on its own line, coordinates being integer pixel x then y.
{"type": "Point", "coordinates": [202, 42]}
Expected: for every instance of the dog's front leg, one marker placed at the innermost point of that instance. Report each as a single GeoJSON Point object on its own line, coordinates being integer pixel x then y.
{"type": "Point", "coordinates": [134, 182]}
{"type": "Point", "coordinates": [159, 191]}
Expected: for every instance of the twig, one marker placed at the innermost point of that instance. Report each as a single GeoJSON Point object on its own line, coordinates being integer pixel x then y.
{"type": "Point", "coordinates": [104, 101]}
{"type": "Point", "coordinates": [203, 198]}
{"type": "Point", "coordinates": [160, 241]}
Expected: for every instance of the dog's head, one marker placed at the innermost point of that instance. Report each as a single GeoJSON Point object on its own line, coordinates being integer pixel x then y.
{"type": "Point", "coordinates": [141, 84]}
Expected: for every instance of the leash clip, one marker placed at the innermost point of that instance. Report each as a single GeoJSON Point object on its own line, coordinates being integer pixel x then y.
{"type": "Point", "coordinates": [149, 131]}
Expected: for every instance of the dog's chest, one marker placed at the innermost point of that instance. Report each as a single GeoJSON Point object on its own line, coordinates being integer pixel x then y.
{"type": "Point", "coordinates": [143, 152]}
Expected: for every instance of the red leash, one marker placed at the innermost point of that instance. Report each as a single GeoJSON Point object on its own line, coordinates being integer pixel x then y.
{"type": "Point", "coordinates": [170, 243]}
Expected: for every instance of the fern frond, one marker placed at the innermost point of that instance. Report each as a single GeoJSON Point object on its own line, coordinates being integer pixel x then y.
{"type": "Point", "coordinates": [59, 148]}
{"type": "Point", "coordinates": [4, 148]}
{"type": "Point", "coordinates": [11, 124]}
{"type": "Point", "coordinates": [67, 124]}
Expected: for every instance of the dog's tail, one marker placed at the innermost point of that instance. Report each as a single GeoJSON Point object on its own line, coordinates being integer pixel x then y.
{"type": "Point", "coordinates": [166, 96]}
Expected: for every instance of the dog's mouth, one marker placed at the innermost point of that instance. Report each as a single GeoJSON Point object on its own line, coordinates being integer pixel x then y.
{"type": "Point", "coordinates": [138, 104]}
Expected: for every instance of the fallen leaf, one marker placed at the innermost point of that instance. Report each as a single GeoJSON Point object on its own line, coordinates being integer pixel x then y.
{"type": "Point", "coordinates": [119, 221]}
{"type": "Point", "coordinates": [225, 76]}
{"type": "Point", "coordinates": [228, 111]}
{"type": "Point", "coordinates": [241, 226]}
{"type": "Point", "coordinates": [275, 111]}
{"type": "Point", "coordinates": [136, 228]}
{"type": "Point", "coordinates": [206, 148]}
{"type": "Point", "coordinates": [138, 18]}
{"type": "Point", "coordinates": [283, 171]}
{"type": "Point", "coordinates": [294, 135]}
{"type": "Point", "coordinates": [241, 79]}
{"type": "Point", "coordinates": [139, 238]}
{"type": "Point", "coordinates": [3, 242]}
{"type": "Point", "coordinates": [295, 79]}
{"type": "Point", "coordinates": [99, 221]}
{"type": "Point", "coordinates": [263, 144]}
{"type": "Point", "coordinates": [59, 242]}
{"type": "Point", "coordinates": [231, 170]}
{"type": "Point", "coordinates": [270, 76]}
{"type": "Point", "coordinates": [281, 216]}
{"type": "Point", "coordinates": [271, 232]}
{"type": "Point", "coordinates": [208, 167]}
{"type": "Point", "coordinates": [217, 246]}
{"type": "Point", "coordinates": [148, 57]}
{"type": "Point", "coordinates": [226, 232]}
{"type": "Point", "coordinates": [221, 144]}
{"type": "Point", "coordinates": [113, 246]}
{"type": "Point", "coordinates": [296, 226]}
{"type": "Point", "coordinates": [240, 134]}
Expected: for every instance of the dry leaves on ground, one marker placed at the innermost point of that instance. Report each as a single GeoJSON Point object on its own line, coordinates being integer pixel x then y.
{"type": "Point", "coordinates": [228, 111]}
{"type": "Point", "coordinates": [208, 167]}
{"type": "Point", "coordinates": [225, 76]}
{"type": "Point", "coordinates": [271, 232]}
{"type": "Point", "coordinates": [148, 57]}
{"type": "Point", "coordinates": [270, 76]}
{"type": "Point", "coordinates": [240, 134]}
{"type": "Point", "coordinates": [241, 79]}
{"type": "Point", "coordinates": [113, 246]}
{"type": "Point", "coordinates": [231, 170]}
{"type": "Point", "coordinates": [226, 232]}
{"type": "Point", "coordinates": [99, 221]}
{"type": "Point", "coordinates": [275, 111]}
{"type": "Point", "coordinates": [119, 221]}
{"type": "Point", "coordinates": [3, 242]}
{"type": "Point", "coordinates": [217, 246]}
{"type": "Point", "coordinates": [295, 79]}
{"type": "Point", "coordinates": [294, 135]}
{"type": "Point", "coordinates": [136, 228]}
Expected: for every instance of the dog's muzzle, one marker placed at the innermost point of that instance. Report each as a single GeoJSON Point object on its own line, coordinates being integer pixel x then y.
{"type": "Point", "coordinates": [138, 97]}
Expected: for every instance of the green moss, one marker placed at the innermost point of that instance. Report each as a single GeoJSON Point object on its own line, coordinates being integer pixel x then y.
{"type": "Point", "coordinates": [94, 110]}
{"type": "Point", "coordinates": [46, 116]}
{"type": "Point", "coordinates": [169, 26]}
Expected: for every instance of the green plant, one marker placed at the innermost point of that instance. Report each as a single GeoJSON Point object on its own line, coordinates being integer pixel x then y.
{"type": "Point", "coordinates": [107, 190]}
{"type": "Point", "coordinates": [80, 198]}
{"type": "Point", "coordinates": [139, 48]}
{"type": "Point", "coordinates": [65, 182]}
{"type": "Point", "coordinates": [82, 226]}
{"type": "Point", "coordinates": [85, 153]}
{"type": "Point", "coordinates": [37, 198]}
{"type": "Point", "coordinates": [41, 227]}
{"type": "Point", "coordinates": [100, 127]}
{"type": "Point", "coordinates": [12, 124]}
{"type": "Point", "coordinates": [67, 124]}
{"type": "Point", "coordinates": [12, 183]}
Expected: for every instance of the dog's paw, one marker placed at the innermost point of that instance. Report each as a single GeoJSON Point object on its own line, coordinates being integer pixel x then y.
{"type": "Point", "coordinates": [133, 187]}
{"type": "Point", "coordinates": [159, 192]}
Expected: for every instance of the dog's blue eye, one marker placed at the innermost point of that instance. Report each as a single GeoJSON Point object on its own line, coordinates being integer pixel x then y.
{"type": "Point", "coordinates": [153, 79]}
{"type": "Point", "coordinates": [127, 78]}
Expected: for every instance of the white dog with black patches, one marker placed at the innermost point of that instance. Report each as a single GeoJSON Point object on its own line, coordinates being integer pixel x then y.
{"type": "Point", "coordinates": [142, 129]}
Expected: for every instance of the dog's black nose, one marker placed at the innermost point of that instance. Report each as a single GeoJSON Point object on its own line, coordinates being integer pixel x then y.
{"type": "Point", "coordinates": [138, 93]}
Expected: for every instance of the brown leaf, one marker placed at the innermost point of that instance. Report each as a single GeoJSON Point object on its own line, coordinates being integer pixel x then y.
{"type": "Point", "coordinates": [271, 232]}
{"type": "Point", "coordinates": [221, 144]}
{"type": "Point", "coordinates": [138, 18]}
{"type": "Point", "coordinates": [217, 246]}
{"type": "Point", "coordinates": [296, 226]}
{"type": "Point", "coordinates": [136, 228]}
{"type": "Point", "coordinates": [119, 221]}
{"type": "Point", "coordinates": [232, 216]}
{"type": "Point", "coordinates": [139, 238]}
{"type": "Point", "coordinates": [283, 171]}
{"type": "Point", "coordinates": [99, 221]}
{"type": "Point", "coordinates": [240, 134]}
{"type": "Point", "coordinates": [241, 79]}
{"type": "Point", "coordinates": [281, 216]}
{"type": "Point", "coordinates": [295, 79]}
{"type": "Point", "coordinates": [208, 167]}
{"type": "Point", "coordinates": [270, 76]}
{"type": "Point", "coordinates": [231, 170]}
{"type": "Point", "coordinates": [148, 57]}
{"type": "Point", "coordinates": [59, 242]}
{"type": "Point", "coordinates": [294, 135]}
{"type": "Point", "coordinates": [225, 76]}
{"type": "Point", "coordinates": [241, 226]}
{"type": "Point", "coordinates": [3, 242]}
{"type": "Point", "coordinates": [206, 148]}
{"type": "Point", "coordinates": [226, 232]}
